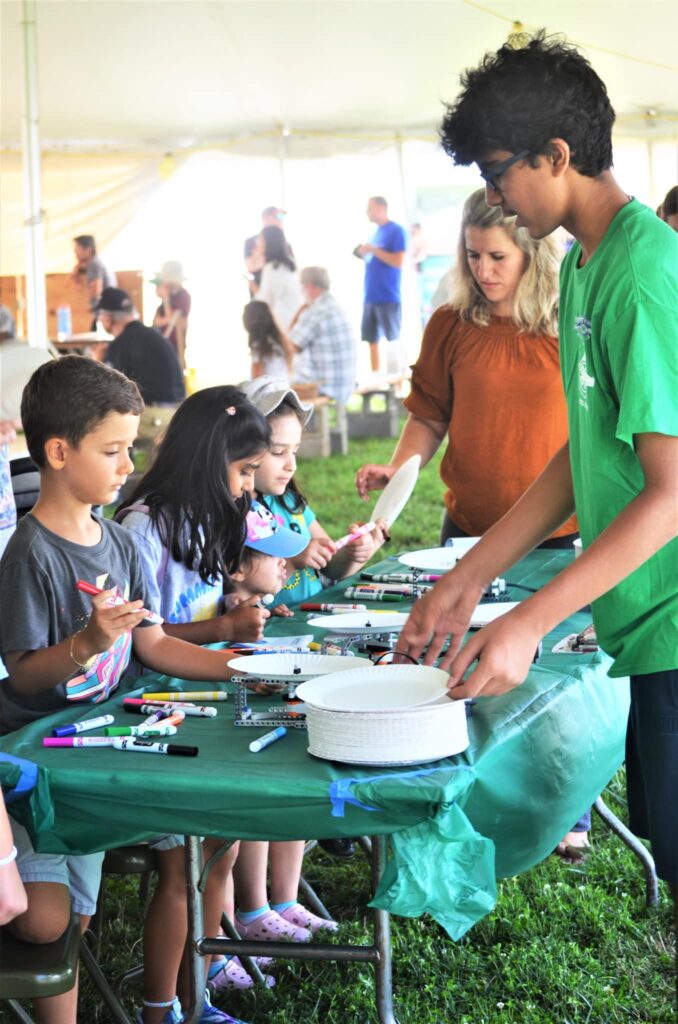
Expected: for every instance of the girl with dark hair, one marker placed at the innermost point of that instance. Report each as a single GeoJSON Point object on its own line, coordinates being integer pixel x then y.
{"type": "Point", "coordinates": [279, 286]}
{"type": "Point", "coordinates": [269, 348]}
{"type": "Point", "coordinates": [188, 514]}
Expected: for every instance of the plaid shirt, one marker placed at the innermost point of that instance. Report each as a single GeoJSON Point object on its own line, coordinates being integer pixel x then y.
{"type": "Point", "coordinates": [326, 339]}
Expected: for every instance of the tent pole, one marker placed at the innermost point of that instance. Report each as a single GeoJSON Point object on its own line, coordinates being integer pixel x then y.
{"type": "Point", "coordinates": [36, 303]}
{"type": "Point", "coordinates": [282, 165]}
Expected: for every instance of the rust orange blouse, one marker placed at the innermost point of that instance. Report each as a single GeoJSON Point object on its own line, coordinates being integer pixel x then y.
{"type": "Point", "coordinates": [501, 393]}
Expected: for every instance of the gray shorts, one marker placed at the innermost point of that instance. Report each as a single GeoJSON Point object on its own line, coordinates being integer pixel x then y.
{"type": "Point", "coordinates": [82, 875]}
{"type": "Point", "coordinates": [380, 320]}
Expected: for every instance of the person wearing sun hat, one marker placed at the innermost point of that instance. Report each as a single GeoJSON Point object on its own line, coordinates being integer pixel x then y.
{"type": "Point", "coordinates": [171, 316]}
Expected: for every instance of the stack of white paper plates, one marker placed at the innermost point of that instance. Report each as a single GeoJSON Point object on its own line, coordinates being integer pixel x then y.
{"type": "Point", "coordinates": [384, 715]}
{"type": "Point", "coordinates": [485, 613]}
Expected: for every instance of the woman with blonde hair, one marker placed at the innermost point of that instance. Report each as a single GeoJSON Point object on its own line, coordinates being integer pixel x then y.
{"type": "Point", "coordinates": [488, 376]}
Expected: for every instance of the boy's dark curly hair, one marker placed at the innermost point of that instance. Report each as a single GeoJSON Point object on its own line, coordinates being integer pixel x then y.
{"type": "Point", "coordinates": [522, 98]}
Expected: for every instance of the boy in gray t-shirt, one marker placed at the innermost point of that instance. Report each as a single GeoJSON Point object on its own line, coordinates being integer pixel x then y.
{"type": "Point", "coordinates": [59, 645]}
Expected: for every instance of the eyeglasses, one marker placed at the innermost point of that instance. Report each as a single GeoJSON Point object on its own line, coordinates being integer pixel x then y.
{"type": "Point", "coordinates": [492, 177]}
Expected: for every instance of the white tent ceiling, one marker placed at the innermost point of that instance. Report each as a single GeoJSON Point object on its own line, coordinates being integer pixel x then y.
{"type": "Point", "coordinates": [140, 74]}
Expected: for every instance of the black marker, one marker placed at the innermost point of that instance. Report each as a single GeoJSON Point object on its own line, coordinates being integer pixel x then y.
{"type": "Point", "coordinates": [150, 747]}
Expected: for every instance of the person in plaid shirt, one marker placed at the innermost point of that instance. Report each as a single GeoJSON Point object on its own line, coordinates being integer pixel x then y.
{"type": "Point", "coordinates": [323, 335]}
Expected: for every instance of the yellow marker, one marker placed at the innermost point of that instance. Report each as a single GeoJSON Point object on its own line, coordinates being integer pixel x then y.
{"type": "Point", "coordinates": [313, 646]}
{"type": "Point", "coordinates": [208, 695]}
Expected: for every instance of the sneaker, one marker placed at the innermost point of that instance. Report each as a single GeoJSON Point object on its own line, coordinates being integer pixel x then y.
{"type": "Point", "coordinates": [303, 918]}
{"type": "Point", "coordinates": [342, 848]}
{"type": "Point", "coordinates": [173, 1015]}
{"type": "Point", "coordinates": [210, 1014]}
{"type": "Point", "coordinates": [234, 976]}
{"type": "Point", "coordinates": [270, 927]}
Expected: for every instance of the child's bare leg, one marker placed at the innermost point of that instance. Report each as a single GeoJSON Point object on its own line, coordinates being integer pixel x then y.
{"type": "Point", "coordinates": [249, 875]}
{"type": "Point", "coordinates": [165, 933]}
{"type": "Point", "coordinates": [47, 917]}
{"type": "Point", "coordinates": [286, 860]}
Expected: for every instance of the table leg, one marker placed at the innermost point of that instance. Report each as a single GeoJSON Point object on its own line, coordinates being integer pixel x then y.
{"type": "Point", "coordinates": [196, 965]}
{"type": "Point", "coordinates": [627, 837]}
{"type": "Point", "coordinates": [382, 940]}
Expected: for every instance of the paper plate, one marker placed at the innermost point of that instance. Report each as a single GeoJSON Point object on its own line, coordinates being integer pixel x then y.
{"type": "Point", "coordinates": [439, 559]}
{"type": "Point", "coordinates": [360, 622]}
{"type": "Point", "coordinates": [397, 492]}
{"type": "Point", "coordinates": [485, 613]}
{"type": "Point", "coordinates": [379, 688]}
{"type": "Point", "coordinates": [294, 666]}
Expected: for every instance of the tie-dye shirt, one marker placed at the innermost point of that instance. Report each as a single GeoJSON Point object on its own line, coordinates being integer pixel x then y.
{"type": "Point", "coordinates": [40, 606]}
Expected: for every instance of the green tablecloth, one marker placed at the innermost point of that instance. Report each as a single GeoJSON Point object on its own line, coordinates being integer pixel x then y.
{"type": "Point", "coordinates": [537, 758]}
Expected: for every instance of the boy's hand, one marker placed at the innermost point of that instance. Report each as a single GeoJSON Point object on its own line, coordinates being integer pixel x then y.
{"type": "Point", "coordinates": [317, 554]}
{"type": "Point", "coordinates": [107, 622]}
{"type": "Point", "coordinates": [245, 622]}
{"type": "Point", "coordinates": [372, 478]}
{"type": "Point", "coordinates": [446, 609]}
{"type": "Point", "coordinates": [503, 650]}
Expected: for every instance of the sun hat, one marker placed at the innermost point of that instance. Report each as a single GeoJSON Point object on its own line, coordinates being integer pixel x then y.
{"type": "Point", "coordinates": [115, 300]}
{"type": "Point", "coordinates": [171, 272]}
{"type": "Point", "coordinates": [267, 393]}
{"type": "Point", "coordinates": [267, 535]}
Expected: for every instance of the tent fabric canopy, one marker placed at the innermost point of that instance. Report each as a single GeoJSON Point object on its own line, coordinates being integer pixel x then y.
{"type": "Point", "coordinates": [271, 74]}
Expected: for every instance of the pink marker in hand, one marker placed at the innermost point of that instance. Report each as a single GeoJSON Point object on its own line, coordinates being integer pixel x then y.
{"type": "Point", "coordinates": [360, 532]}
{"type": "Point", "coordinates": [89, 588]}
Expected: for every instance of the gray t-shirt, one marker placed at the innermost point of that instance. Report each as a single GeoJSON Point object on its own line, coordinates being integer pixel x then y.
{"type": "Point", "coordinates": [40, 606]}
{"type": "Point", "coordinates": [176, 592]}
{"type": "Point", "coordinates": [97, 270]}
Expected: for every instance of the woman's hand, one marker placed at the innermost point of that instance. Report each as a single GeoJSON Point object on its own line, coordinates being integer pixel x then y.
{"type": "Point", "coordinates": [245, 622]}
{"type": "Point", "coordinates": [372, 478]}
{"type": "Point", "coordinates": [317, 554]}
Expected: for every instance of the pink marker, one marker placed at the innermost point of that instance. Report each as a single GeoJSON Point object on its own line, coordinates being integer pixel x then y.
{"type": "Point", "coordinates": [89, 588]}
{"type": "Point", "coordinates": [77, 741]}
{"type": "Point", "coordinates": [360, 532]}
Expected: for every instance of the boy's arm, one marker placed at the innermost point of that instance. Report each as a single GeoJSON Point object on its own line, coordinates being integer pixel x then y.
{"type": "Point", "coordinates": [171, 656]}
{"type": "Point", "coordinates": [34, 672]}
{"type": "Point", "coordinates": [447, 608]}
{"type": "Point", "coordinates": [505, 648]}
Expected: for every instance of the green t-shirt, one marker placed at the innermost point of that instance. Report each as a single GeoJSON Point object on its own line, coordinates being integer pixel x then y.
{"type": "Point", "coordinates": [619, 359]}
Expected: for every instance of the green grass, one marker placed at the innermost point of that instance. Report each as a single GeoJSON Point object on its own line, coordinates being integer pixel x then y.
{"type": "Point", "coordinates": [564, 945]}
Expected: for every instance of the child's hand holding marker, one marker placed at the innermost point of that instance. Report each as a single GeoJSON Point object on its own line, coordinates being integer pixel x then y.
{"type": "Point", "coordinates": [108, 621]}
{"type": "Point", "coordinates": [316, 554]}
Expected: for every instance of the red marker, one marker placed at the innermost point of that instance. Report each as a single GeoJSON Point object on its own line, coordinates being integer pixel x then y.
{"type": "Point", "coordinates": [89, 588]}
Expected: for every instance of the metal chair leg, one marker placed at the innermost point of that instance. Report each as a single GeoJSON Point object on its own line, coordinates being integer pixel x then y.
{"type": "Point", "coordinates": [19, 1012]}
{"type": "Point", "coordinates": [644, 856]}
{"type": "Point", "coordinates": [105, 990]}
{"type": "Point", "coordinates": [251, 966]}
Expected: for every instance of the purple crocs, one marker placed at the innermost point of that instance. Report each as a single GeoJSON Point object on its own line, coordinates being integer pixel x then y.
{"type": "Point", "coordinates": [270, 927]}
{"type": "Point", "coordinates": [234, 976]}
{"type": "Point", "coordinates": [303, 918]}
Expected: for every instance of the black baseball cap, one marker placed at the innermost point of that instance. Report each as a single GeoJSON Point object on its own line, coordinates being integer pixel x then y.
{"type": "Point", "coordinates": [115, 300]}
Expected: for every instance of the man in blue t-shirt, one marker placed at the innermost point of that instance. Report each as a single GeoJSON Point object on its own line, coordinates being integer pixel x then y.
{"type": "Point", "coordinates": [383, 257]}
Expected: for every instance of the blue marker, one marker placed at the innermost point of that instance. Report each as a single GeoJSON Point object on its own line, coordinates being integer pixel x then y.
{"type": "Point", "coordinates": [267, 739]}
{"type": "Point", "coordinates": [77, 727]}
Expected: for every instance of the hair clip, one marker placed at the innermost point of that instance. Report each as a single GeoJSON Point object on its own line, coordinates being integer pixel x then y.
{"type": "Point", "coordinates": [230, 410]}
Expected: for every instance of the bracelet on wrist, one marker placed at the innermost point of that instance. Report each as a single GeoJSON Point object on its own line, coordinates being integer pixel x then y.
{"type": "Point", "coordinates": [80, 664]}
{"type": "Point", "coordinates": [4, 861]}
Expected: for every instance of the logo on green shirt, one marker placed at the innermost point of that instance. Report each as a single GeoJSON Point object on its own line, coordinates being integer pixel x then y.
{"type": "Point", "coordinates": [582, 326]}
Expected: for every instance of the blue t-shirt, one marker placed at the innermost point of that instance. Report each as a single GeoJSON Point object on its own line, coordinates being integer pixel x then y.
{"type": "Point", "coordinates": [305, 583]}
{"type": "Point", "coordinates": [382, 283]}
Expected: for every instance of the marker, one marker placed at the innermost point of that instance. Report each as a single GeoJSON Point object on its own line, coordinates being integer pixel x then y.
{"type": "Point", "coordinates": [309, 606]}
{"type": "Point", "coordinates": [149, 747]}
{"type": "Point", "coordinates": [208, 695]}
{"type": "Point", "coordinates": [144, 707]}
{"type": "Point", "coordinates": [406, 589]}
{"type": "Point", "coordinates": [349, 537]}
{"type": "Point", "coordinates": [264, 600]}
{"type": "Point", "coordinates": [76, 727]}
{"type": "Point", "coordinates": [157, 715]}
{"type": "Point", "coordinates": [89, 588]}
{"type": "Point", "coordinates": [267, 739]}
{"type": "Point", "coordinates": [161, 729]}
{"type": "Point", "coordinates": [373, 595]}
{"type": "Point", "coordinates": [172, 719]}
{"type": "Point", "coordinates": [77, 741]}
{"type": "Point", "coordinates": [401, 577]}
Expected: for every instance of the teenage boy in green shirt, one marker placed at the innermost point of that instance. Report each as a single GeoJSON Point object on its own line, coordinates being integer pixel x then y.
{"type": "Point", "coordinates": [538, 123]}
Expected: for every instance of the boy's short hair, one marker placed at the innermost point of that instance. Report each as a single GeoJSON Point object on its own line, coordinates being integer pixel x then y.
{"type": "Point", "coordinates": [69, 397]}
{"type": "Point", "coordinates": [86, 242]}
{"type": "Point", "coordinates": [521, 98]}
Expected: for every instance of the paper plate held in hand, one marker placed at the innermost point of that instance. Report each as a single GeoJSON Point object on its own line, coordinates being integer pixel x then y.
{"type": "Point", "coordinates": [439, 559]}
{"type": "Point", "coordinates": [397, 492]}
{"type": "Point", "coordinates": [360, 622]}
